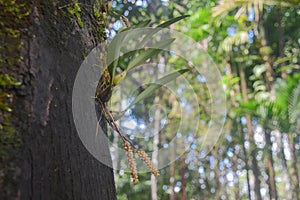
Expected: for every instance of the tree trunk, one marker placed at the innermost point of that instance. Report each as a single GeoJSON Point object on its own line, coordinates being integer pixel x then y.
{"type": "Point", "coordinates": [269, 76]}
{"type": "Point", "coordinates": [155, 149]}
{"type": "Point", "coordinates": [246, 166]}
{"type": "Point", "coordinates": [251, 139]}
{"type": "Point", "coordinates": [216, 170]}
{"type": "Point", "coordinates": [285, 167]}
{"type": "Point", "coordinates": [182, 178]}
{"type": "Point", "coordinates": [294, 168]}
{"type": "Point", "coordinates": [172, 170]}
{"type": "Point", "coordinates": [270, 166]}
{"type": "Point", "coordinates": [281, 39]}
{"type": "Point", "coordinates": [245, 153]}
{"type": "Point", "coordinates": [55, 164]}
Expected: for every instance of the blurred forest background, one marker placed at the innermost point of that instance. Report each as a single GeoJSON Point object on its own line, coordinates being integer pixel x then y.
{"type": "Point", "coordinates": [255, 44]}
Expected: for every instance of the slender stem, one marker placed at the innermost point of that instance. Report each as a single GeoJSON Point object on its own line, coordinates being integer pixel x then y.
{"type": "Point", "coordinates": [109, 118]}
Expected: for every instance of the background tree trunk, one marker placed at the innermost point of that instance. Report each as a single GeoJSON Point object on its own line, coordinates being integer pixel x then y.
{"type": "Point", "coordinates": [54, 163]}
{"type": "Point", "coordinates": [256, 171]}
{"type": "Point", "coordinates": [294, 168]}
{"type": "Point", "coordinates": [172, 171]}
{"type": "Point", "coordinates": [155, 149]}
{"type": "Point", "coordinates": [270, 166]}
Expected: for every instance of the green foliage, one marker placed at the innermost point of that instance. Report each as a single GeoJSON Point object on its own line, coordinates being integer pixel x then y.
{"type": "Point", "coordinates": [139, 56]}
{"type": "Point", "coordinates": [172, 21]}
{"type": "Point", "coordinates": [154, 86]}
{"type": "Point", "coordinates": [144, 55]}
{"type": "Point", "coordinates": [288, 103]}
{"type": "Point", "coordinates": [140, 191]}
{"type": "Point", "coordinates": [75, 10]}
{"type": "Point", "coordinates": [200, 24]}
{"type": "Point", "coordinates": [100, 21]}
{"type": "Point", "coordinates": [271, 104]}
{"type": "Point", "coordinates": [99, 15]}
{"type": "Point", "coordinates": [234, 40]}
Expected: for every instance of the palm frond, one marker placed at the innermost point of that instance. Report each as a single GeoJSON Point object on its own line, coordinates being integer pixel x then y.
{"type": "Point", "coordinates": [226, 6]}
{"type": "Point", "coordinates": [294, 104]}
{"type": "Point", "coordinates": [229, 42]}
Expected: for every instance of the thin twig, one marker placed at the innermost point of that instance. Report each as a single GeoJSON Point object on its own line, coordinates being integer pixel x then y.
{"type": "Point", "coordinates": [109, 118]}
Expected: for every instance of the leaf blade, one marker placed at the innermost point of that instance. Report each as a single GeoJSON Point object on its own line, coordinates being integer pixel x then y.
{"type": "Point", "coordinates": [146, 54]}
{"type": "Point", "coordinates": [172, 21]}
{"type": "Point", "coordinates": [153, 86]}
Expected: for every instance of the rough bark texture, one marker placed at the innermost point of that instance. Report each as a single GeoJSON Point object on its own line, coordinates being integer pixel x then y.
{"type": "Point", "coordinates": [54, 164]}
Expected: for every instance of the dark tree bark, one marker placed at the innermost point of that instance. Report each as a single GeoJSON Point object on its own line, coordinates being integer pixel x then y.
{"type": "Point", "coordinates": [53, 161]}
